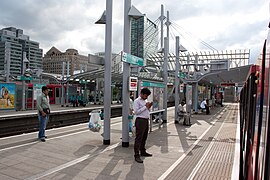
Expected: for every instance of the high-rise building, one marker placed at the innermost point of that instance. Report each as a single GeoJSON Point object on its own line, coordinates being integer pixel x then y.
{"type": "Point", "coordinates": [12, 45]}
{"type": "Point", "coordinates": [144, 37]}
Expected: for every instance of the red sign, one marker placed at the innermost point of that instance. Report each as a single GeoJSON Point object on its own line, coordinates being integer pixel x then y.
{"type": "Point", "coordinates": [133, 82]}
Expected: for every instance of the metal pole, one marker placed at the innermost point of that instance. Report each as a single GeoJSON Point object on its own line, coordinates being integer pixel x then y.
{"type": "Point", "coordinates": [177, 67]}
{"type": "Point", "coordinates": [196, 87]}
{"type": "Point", "coordinates": [196, 98]}
{"type": "Point", "coordinates": [67, 89]}
{"type": "Point", "coordinates": [165, 70]}
{"type": "Point", "coordinates": [107, 74]}
{"type": "Point", "coordinates": [162, 17]}
{"type": "Point", "coordinates": [7, 61]}
{"type": "Point", "coordinates": [62, 94]}
{"type": "Point", "coordinates": [23, 81]}
{"type": "Point", "coordinates": [126, 73]}
{"type": "Point", "coordinates": [168, 23]}
{"type": "Point", "coordinates": [165, 77]}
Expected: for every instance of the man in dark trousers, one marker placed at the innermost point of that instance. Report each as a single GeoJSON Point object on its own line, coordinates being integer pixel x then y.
{"type": "Point", "coordinates": [141, 110]}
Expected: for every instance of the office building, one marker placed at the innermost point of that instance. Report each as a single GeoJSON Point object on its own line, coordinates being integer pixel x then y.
{"type": "Point", "coordinates": [144, 37]}
{"type": "Point", "coordinates": [54, 58]}
{"type": "Point", "coordinates": [12, 45]}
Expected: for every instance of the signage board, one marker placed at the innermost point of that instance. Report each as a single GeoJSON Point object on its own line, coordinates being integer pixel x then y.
{"type": "Point", "coordinates": [128, 58]}
{"type": "Point", "coordinates": [133, 83]}
{"type": "Point", "coordinates": [24, 78]}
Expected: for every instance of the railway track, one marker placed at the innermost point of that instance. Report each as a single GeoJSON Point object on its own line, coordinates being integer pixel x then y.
{"type": "Point", "coordinates": [25, 123]}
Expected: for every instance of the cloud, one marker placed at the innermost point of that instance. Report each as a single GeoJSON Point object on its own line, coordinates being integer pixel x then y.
{"type": "Point", "coordinates": [67, 24]}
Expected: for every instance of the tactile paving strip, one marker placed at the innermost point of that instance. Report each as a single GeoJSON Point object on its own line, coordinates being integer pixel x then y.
{"type": "Point", "coordinates": [219, 161]}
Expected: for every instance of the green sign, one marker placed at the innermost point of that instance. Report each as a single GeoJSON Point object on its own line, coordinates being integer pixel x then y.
{"type": "Point", "coordinates": [24, 78]}
{"type": "Point", "coordinates": [128, 58]}
{"type": "Point", "coordinates": [182, 75]}
{"type": "Point", "coordinates": [152, 84]}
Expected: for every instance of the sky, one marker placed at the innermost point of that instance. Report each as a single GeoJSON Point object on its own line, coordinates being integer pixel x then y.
{"type": "Point", "coordinates": [64, 24]}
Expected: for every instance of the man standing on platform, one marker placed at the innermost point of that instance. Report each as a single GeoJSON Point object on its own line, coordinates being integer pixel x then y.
{"type": "Point", "coordinates": [43, 107]}
{"type": "Point", "coordinates": [141, 110]}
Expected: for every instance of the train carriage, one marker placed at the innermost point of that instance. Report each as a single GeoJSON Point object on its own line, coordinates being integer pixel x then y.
{"type": "Point", "coordinates": [254, 120]}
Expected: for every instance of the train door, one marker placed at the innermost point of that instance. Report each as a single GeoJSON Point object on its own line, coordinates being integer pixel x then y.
{"type": "Point", "coordinates": [57, 95]}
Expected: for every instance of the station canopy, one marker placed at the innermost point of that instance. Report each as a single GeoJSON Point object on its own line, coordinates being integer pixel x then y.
{"type": "Point", "coordinates": [204, 67]}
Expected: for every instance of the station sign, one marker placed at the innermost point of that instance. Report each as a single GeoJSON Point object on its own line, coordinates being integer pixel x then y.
{"type": "Point", "coordinates": [152, 84]}
{"type": "Point", "coordinates": [182, 75]}
{"type": "Point", "coordinates": [133, 83]}
{"type": "Point", "coordinates": [24, 78]}
{"type": "Point", "coordinates": [128, 58]}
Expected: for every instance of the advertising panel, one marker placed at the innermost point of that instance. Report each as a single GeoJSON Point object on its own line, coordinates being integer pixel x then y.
{"type": "Point", "coordinates": [7, 95]}
{"type": "Point", "coordinates": [156, 96]}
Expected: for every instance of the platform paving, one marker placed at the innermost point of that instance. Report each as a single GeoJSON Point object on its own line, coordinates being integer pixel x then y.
{"type": "Point", "coordinates": [204, 150]}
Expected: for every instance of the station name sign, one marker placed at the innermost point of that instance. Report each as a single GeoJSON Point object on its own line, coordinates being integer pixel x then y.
{"type": "Point", "coordinates": [128, 58]}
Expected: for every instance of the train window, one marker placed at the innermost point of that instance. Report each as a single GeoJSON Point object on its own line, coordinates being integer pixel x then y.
{"type": "Point", "coordinates": [50, 92]}
{"type": "Point", "coordinates": [29, 93]}
{"type": "Point", "coordinates": [57, 92]}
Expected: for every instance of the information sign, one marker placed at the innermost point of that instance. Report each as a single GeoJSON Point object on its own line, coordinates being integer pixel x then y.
{"type": "Point", "coordinates": [128, 58]}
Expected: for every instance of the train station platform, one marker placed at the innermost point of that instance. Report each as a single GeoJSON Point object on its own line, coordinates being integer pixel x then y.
{"type": "Point", "coordinates": [205, 150]}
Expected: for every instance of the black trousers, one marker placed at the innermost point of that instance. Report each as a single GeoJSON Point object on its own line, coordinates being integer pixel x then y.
{"type": "Point", "coordinates": [207, 109]}
{"type": "Point", "coordinates": [142, 127]}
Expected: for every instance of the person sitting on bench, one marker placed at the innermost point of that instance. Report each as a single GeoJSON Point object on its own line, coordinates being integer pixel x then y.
{"type": "Point", "coordinates": [205, 106]}
{"type": "Point", "coordinates": [181, 110]}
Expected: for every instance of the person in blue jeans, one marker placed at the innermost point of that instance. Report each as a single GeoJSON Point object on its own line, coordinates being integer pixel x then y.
{"type": "Point", "coordinates": [43, 107]}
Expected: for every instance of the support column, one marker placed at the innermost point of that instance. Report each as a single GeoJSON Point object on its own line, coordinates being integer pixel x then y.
{"type": "Point", "coordinates": [196, 98]}
{"type": "Point", "coordinates": [177, 67]}
{"type": "Point", "coordinates": [161, 18]}
{"type": "Point", "coordinates": [165, 77]}
{"type": "Point", "coordinates": [126, 73]}
{"type": "Point", "coordinates": [67, 89]}
{"type": "Point", "coordinates": [62, 82]}
{"type": "Point", "coordinates": [107, 74]}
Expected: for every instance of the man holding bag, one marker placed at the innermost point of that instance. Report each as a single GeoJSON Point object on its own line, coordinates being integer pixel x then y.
{"type": "Point", "coordinates": [43, 107]}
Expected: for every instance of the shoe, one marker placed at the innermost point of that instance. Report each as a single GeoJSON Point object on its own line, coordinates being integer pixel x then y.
{"type": "Point", "coordinates": [45, 137]}
{"type": "Point", "coordinates": [42, 140]}
{"type": "Point", "coordinates": [138, 160]}
{"type": "Point", "coordinates": [145, 154]}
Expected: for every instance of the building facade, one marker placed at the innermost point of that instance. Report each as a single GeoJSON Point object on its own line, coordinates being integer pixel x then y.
{"type": "Point", "coordinates": [54, 58]}
{"type": "Point", "coordinates": [144, 37]}
{"type": "Point", "coordinates": [12, 45]}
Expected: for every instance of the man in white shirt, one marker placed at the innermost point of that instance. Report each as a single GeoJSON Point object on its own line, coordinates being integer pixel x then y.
{"type": "Point", "coordinates": [141, 110]}
{"type": "Point", "coordinates": [203, 104]}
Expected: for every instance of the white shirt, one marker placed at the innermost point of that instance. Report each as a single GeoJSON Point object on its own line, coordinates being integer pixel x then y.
{"type": "Point", "coordinates": [140, 109]}
{"type": "Point", "coordinates": [182, 108]}
{"type": "Point", "coordinates": [203, 104]}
